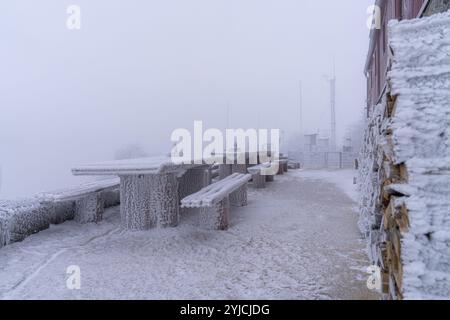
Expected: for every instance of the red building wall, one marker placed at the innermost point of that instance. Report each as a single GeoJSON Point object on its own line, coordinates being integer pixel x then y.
{"type": "Point", "coordinates": [378, 57]}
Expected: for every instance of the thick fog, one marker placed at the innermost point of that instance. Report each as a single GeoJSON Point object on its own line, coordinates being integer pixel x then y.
{"type": "Point", "coordinates": [138, 69]}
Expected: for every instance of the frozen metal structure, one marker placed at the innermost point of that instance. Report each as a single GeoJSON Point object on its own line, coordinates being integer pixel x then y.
{"type": "Point", "coordinates": [332, 81]}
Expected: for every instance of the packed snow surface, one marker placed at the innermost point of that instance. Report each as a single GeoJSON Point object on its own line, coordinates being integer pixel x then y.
{"type": "Point", "coordinates": [296, 239]}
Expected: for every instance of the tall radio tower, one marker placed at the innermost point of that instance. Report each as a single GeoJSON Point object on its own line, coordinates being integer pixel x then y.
{"type": "Point", "coordinates": [332, 81]}
{"type": "Point", "coordinates": [300, 108]}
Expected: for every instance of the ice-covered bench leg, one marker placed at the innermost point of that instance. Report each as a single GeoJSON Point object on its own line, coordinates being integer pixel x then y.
{"type": "Point", "coordinates": [209, 176]}
{"type": "Point", "coordinates": [259, 181]}
{"type": "Point", "coordinates": [165, 200]}
{"type": "Point", "coordinates": [89, 208]}
{"type": "Point", "coordinates": [135, 202]}
{"type": "Point", "coordinates": [270, 178]}
{"type": "Point", "coordinates": [280, 169]}
{"type": "Point", "coordinates": [216, 217]}
{"type": "Point", "coordinates": [224, 171]}
{"type": "Point", "coordinates": [239, 197]}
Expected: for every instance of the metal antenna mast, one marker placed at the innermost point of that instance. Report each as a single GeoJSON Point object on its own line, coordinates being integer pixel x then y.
{"type": "Point", "coordinates": [333, 108]}
{"type": "Point", "coordinates": [301, 108]}
{"type": "Point", "coordinates": [228, 115]}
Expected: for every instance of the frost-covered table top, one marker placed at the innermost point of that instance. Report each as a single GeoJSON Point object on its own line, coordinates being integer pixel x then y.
{"type": "Point", "coordinates": [133, 166]}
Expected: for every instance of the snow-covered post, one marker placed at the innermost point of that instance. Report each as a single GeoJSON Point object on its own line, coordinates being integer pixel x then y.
{"type": "Point", "coordinates": [208, 175]}
{"type": "Point", "coordinates": [239, 197]}
{"type": "Point", "coordinates": [89, 208]}
{"type": "Point", "coordinates": [216, 217]}
{"type": "Point", "coordinates": [164, 199]}
{"type": "Point", "coordinates": [280, 169]}
{"type": "Point", "coordinates": [224, 171]}
{"type": "Point", "coordinates": [135, 202]}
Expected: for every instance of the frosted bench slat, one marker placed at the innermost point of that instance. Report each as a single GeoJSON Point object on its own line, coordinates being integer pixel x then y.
{"type": "Point", "coordinates": [80, 191]}
{"type": "Point", "coordinates": [214, 193]}
{"type": "Point", "coordinates": [257, 169]}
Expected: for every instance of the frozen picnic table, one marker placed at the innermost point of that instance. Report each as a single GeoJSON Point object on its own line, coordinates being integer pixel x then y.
{"type": "Point", "coordinates": [239, 162]}
{"type": "Point", "coordinates": [234, 162]}
{"type": "Point", "coordinates": [148, 189]}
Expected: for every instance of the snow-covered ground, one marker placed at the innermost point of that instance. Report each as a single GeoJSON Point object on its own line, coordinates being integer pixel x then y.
{"type": "Point", "coordinates": [343, 179]}
{"type": "Point", "coordinates": [297, 239]}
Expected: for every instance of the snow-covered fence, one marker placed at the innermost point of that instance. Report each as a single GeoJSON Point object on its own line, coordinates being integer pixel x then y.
{"type": "Point", "coordinates": [322, 160]}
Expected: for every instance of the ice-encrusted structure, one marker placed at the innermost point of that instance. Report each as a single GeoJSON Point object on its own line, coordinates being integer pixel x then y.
{"type": "Point", "coordinates": [239, 197]}
{"type": "Point", "coordinates": [409, 132]}
{"type": "Point", "coordinates": [21, 218]}
{"type": "Point", "coordinates": [85, 203]}
{"type": "Point", "coordinates": [420, 78]}
{"type": "Point", "coordinates": [149, 200]}
{"type": "Point", "coordinates": [216, 217]}
{"type": "Point", "coordinates": [369, 179]}
{"type": "Point", "coordinates": [214, 201]}
{"type": "Point", "coordinates": [165, 200]}
{"type": "Point", "coordinates": [89, 208]}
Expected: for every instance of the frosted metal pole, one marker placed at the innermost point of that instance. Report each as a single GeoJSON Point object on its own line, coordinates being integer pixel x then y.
{"type": "Point", "coordinates": [301, 108]}
{"type": "Point", "coordinates": [333, 108]}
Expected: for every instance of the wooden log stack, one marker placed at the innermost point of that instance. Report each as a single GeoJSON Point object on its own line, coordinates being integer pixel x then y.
{"type": "Point", "coordinates": [405, 165]}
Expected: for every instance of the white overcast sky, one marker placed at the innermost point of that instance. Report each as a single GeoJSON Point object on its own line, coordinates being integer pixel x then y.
{"type": "Point", "coordinates": [138, 69]}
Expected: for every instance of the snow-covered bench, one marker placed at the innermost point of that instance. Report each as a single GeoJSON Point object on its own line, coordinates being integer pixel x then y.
{"type": "Point", "coordinates": [294, 165]}
{"type": "Point", "coordinates": [90, 198]}
{"type": "Point", "coordinates": [21, 218]}
{"type": "Point", "coordinates": [258, 175]}
{"type": "Point", "coordinates": [215, 173]}
{"type": "Point", "coordinates": [214, 200]}
{"type": "Point", "coordinates": [282, 166]}
{"type": "Point", "coordinates": [284, 162]}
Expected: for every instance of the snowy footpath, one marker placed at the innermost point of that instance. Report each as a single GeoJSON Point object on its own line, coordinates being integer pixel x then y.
{"type": "Point", "coordinates": [297, 239]}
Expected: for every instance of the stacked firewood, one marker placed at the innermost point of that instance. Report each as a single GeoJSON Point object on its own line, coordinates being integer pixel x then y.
{"type": "Point", "coordinates": [393, 209]}
{"type": "Point", "coordinates": [405, 165]}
